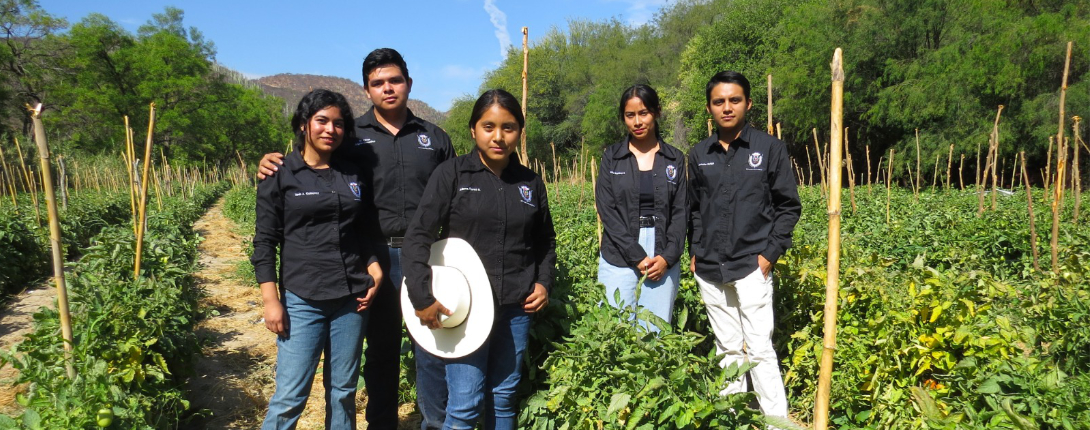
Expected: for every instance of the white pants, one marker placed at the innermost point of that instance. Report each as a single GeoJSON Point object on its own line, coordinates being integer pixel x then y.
{"type": "Point", "coordinates": [740, 313]}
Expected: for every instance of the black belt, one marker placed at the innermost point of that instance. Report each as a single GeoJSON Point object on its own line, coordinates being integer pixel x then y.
{"type": "Point", "coordinates": [395, 242]}
{"type": "Point", "coordinates": [647, 221]}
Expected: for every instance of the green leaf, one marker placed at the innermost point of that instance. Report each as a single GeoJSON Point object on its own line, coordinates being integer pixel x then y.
{"type": "Point", "coordinates": [617, 403]}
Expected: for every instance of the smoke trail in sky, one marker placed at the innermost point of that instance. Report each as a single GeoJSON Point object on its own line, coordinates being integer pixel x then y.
{"type": "Point", "coordinates": [499, 20]}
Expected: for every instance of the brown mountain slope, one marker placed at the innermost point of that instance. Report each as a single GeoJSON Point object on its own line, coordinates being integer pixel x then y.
{"type": "Point", "coordinates": [291, 87]}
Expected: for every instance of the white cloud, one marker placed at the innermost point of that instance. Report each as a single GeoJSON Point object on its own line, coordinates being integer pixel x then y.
{"type": "Point", "coordinates": [639, 12]}
{"type": "Point", "coordinates": [499, 20]}
{"type": "Point", "coordinates": [459, 72]}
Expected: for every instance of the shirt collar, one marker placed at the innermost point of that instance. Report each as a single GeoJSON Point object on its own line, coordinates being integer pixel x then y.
{"type": "Point", "coordinates": [622, 151]}
{"type": "Point", "coordinates": [743, 140]}
{"type": "Point", "coordinates": [475, 164]}
{"type": "Point", "coordinates": [369, 120]}
{"type": "Point", "coordinates": [294, 160]}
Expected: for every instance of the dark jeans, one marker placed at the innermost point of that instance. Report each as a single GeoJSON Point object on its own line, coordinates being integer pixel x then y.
{"type": "Point", "coordinates": [382, 369]}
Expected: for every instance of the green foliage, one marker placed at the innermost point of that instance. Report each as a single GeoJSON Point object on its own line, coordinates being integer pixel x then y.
{"type": "Point", "coordinates": [24, 254]}
{"type": "Point", "coordinates": [133, 340]}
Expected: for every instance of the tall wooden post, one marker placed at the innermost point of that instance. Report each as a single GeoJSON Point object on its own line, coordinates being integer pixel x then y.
{"type": "Point", "coordinates": [1077, 176]}
{"type": "Point", "coordinates": [771, 130]}
{"type": "Point", "coordinates": [836, 128]}
{"type": "Point", "coordinates": [1061, 159]}
{"type": "Point", "coordinates": [1032, 220]}
{"type": "Point", "coordinates": [995, 155]}
{"type": "Point", "coordinates": [144, 194]}
{"type": "Point", "coordinates": [54, 239]}
{"type": "Point", "coordinates": [525, 86]}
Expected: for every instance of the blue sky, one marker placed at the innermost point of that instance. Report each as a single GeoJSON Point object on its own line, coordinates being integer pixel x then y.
{"type": "Point", "coordinates": [448, 44]}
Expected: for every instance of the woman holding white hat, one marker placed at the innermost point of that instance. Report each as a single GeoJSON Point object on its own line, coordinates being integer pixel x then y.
{"type": "Point", "coordinates": [500, 210]}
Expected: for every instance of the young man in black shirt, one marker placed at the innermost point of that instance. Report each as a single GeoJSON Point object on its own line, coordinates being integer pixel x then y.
{"type": "Point", "coordinates": [743, 207]}
{"type": "Point", "coordinates": [396, 152]}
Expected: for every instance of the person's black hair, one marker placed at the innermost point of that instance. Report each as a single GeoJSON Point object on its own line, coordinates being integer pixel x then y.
{"type": "Point", "coordinates": [312, 103]}
{"type": "Point", "coordinates": [726, 77]}
{"type": "Point", "coordinates": [497, 97]}
{"type": "Point", "coordinates": [382, 57]}
{"type": "Point", "coordinates": [650, 99]}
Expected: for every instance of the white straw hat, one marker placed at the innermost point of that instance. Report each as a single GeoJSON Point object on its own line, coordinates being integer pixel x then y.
{"type": "Point", "coordinates": [460, 284]}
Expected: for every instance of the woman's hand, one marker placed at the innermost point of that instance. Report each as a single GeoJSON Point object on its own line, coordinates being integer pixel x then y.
{"type": "Point", "coordinates": [274, 312]}
{"type": "Point", "coordinates": [654, 268]}
{"type": "Point", "coordinates": [537, 300]}
{"type": "Point", "coordinates": [429, 316]}
{"type": "Point", "coordinates": [365, 302]}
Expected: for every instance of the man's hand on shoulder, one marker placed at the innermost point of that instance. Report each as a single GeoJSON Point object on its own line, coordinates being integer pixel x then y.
{"type": "Point", "coordinates": [269, 164]}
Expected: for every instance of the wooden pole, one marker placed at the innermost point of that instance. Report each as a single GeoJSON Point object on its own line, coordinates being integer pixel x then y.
{"type": "Point", "coordinates": [979, 187]}
{"type": "Point", "coordinates": [62, 178]}
{"type": "Point", "coordinates": [821, 160]}
{"type": "Point", "coordinates": [821, 410]}
{"type": "Point", "coordinates": [809, 167]}
{"type": "Point", "coordinates": [523, 155]}
{"type": "Point", "coordinates": [851, 169]}
{"type": "Point", "coordinates": [10, 182]}
{"type": "Point", "coordinates": [771, 131]}
{"type": "Point", "coordinates": [779, 130]}
{"type": "Point", "coordinates": [1014, 174]}
{"type": "Point", "coordinates": [1032, 220]}
{"type": "Point", "coordinates": [1046, 175]}
{"type": "Point", "coordinates": [889, 181]}
{"type": "Point", "coordinates": [1075, 169]}
{"type": "Point", "coordinates": [868, 168]}
{"type": "Point", "coordinates": [144, 193]}
{"type": "Point", "coordinates": [130, 181]}
{"type": "Point", "coordinates": [949, 164]}
{"type": "Point", "coordinates": [935, 172]}
{"type": "Point", "coordinates": [961, 173]}
{"type": "Point", "coordinates": [916, 187]}
{"type": "Point", "coordinates": [1061, 160]}
{"type": "Point", "coordinates": [30, 186]}
{"type": "Point", "coordinates": [995, 155]}
{"type": "Point", "coordinates": [54, 239]}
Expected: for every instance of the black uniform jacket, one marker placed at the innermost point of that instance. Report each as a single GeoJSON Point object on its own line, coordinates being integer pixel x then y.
{"type": "Point", "coordinates": [617, 197]}
{"type": "Point", "coordinates": [506, 219]}
{"type": "Point", "coordinates": [318, 227]}
{"type": "Point", "coordinates": [744, 203]}
{"type": "Point", "coordinates": [398, 167]}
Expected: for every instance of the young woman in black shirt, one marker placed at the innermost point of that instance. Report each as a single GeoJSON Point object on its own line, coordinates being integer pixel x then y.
{"type": "Point", "coordinates": [641, 199]}
{"type": "Point", "coordinates": [500, 208]}
{"type": "Point", "coordinates": [313, 212]}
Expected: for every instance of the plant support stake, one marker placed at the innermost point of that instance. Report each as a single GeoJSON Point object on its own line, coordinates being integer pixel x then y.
{"type": "Point", "coordinates": [525, 85]}
{"type": "Point", "coordinates": [54, 239]}
{"type": "Point", "coordinates": [144, 194]}
{"type": "Point", "coordinates": [1061, 160]}
{"type": "Point", "coordinates": [836, 129]}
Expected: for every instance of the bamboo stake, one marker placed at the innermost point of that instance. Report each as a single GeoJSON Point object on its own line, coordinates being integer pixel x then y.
{"type": "Point", "coordinates": [1014, 174]}
{"type": "Point", "coordinates": [144, 193]}
{"type": "Point", "coordinates": [821, 160]}
{"type": "Point", "coordinates": [771, 132]}
{"type": "Point", "coordinates": [949, 164]}
{"type": "Point", "coordinates": [1075, 171]}
{"type": "Point", "coordinates": [916, 188]}
{"type": "Point", "coordinates": [1061, 160]}
{"type": "Point", "coordinates": [995, 155]}
{"type": "Point", "coordinates": [1047, 174]}
{"type": "Point", "coordinates": [779, 130]}
{"type": "Point", "coordinates": [868, 167]}
{"type": "Point", "coordinates": [1032, 220]}
{"type": "Point", "coordinates": [809, 167]}
{"type": "Point", "coordinates": [159, 192]}
{"type": "Point", "coordinates": [128, 157]}
{"type": "Point", "coordinates": [935, 172]}
{"type": "Point", "coordinates": [22, 164]}
{"type": "Point", "coordinates": [30, 185]}
{"type": "Point", "coordinates": [979, 188]}
{"type": "Point", "coordinates": [961, 173]}
{"type": "Point", "coordinates": [523, 155]}
{"type": "Point", "coordinates": [821, 410]}
{"type": "Point", "coordinates": [10, 181]}
{"type": "Point", "coordinates": [54, 239]}
{"type": "Point", "coordinates": [889, 181]}
{"type": "Point", "coordinates": [851, 169]}
{"type": "Point", "coordinates": [62, 177]}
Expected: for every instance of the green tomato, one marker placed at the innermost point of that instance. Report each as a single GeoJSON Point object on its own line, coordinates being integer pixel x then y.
{"type": "Point", "coordinates": [105, 417]}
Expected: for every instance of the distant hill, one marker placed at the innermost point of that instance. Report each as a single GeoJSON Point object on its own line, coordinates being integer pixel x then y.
{"type": "Point", "coordinates": [291, 87]}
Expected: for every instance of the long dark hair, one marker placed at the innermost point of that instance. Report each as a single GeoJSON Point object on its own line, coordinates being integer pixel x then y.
{"type": "Point", "coordinates": [650, 99]}
{"type": "Point", "coordinates": [315, 101]}
{"type": "Point", "coordinates": [497, 97]}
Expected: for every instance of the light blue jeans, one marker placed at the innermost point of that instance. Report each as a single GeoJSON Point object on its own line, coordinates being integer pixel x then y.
{"type": "Point", "coordinates": [656, 296]}
{"type": "Point", "coordinates": [482, 384]}
{"type": "Point", "coordinates": [314, 326]}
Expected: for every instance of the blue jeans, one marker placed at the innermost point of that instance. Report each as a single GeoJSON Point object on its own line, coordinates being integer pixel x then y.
{"type": "Point", "coordinates": [656, 296]}
{"type": "Point", "coordinates": [312, 327]}
{"type": "Point", "coordinates": [484, 382]}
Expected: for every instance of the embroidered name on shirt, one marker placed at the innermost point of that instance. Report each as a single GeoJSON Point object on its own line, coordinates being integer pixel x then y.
{"type": "Point", "coordinates": [307, 193]}
{"type": "Point", "coordinates": [364, 140]}
{"type": "Point", "coordinates": [469, 189]}
{"type": "Point", "coordinates": [616, 173]}
{"type": "Point", "coordinates": [709, 163]}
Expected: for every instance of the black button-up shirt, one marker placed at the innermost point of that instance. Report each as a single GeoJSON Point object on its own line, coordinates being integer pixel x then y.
{"type": "Point", "coordinates": [398, 167]}
{"type": "Point", "coordinates": [317, 224]}
{"type": "Point", "coordinates": [506, 219]}
{"type": "Point", "coordinates": [744, 203]}
{"type": "Point", "coordinates": [617, 197]}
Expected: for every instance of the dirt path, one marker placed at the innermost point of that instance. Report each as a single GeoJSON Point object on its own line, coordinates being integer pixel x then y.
{"type": "Point", "coordinates": [235, 378]}
{"type": "Point", "coordinates": [16, 320]}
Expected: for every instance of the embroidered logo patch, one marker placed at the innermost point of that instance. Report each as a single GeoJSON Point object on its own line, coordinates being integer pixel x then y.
{"type": "Point", "coordinates": [671, 172]}
{"type": "Point", "coordinates": [526, 193]}
{"type": "Point", "coordinates": [425, 142]}
{"type": "Point", "coordinates": [355, 187]}
{"type": "Point", "coordinates": [755, 159]}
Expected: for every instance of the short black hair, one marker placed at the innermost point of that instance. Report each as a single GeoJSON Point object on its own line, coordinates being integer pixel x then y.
{"type": "Point", "coordinates": [312, 103]}
{"type": "Point", "coordinates": [381, 57]}
{"type": "Point", "coordinates": [650, 99]}
{"type": "Point", "coordinates": [726, 77]}
{"type": "Point", "coordinates": [497, 97]}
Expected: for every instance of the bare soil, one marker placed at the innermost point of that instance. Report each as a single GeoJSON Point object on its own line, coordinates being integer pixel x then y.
{"type": "Point", "coordinates": [16, 320]}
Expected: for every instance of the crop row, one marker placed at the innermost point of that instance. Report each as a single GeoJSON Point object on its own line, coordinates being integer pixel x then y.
{"type": "Point", "coordinates": [133, 339]}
